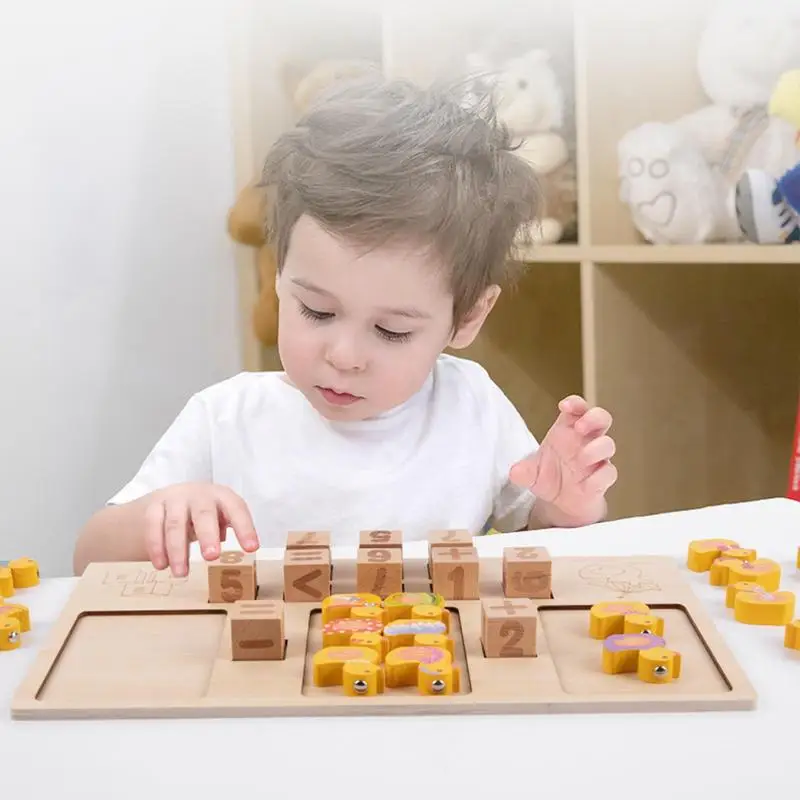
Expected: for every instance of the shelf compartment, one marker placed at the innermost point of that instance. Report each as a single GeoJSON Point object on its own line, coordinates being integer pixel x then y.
{"type": "Point", "coordinates": [700, 366]}
{"type": "Point", "coordinates": [531, 342]}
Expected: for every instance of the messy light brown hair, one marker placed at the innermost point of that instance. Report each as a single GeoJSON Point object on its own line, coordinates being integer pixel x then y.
{"type": "Point", "coordinates": [380, 161]}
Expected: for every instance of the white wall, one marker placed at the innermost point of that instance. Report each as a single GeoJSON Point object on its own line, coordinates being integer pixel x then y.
{"type": "Point", "coordinates": [117, 281]}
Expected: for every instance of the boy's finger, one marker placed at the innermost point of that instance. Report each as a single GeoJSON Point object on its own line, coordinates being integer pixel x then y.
{"type": "Point", "coordinates": [525, 472]}
{"type": "Point", "coordinates": [571, 409]}
{"type": "Point", "coordinates": [602, 479]}
{"type": "Point", "coordinates": [154, 535]}
{"type": "Point", "coordinates": [176, 525]}
{"type": "Point", "coordinates": [205, 520]}
{"type": "Point", "coordinates": [238, 516]}
{"type": "Point", "coordinates": [597, 450]}
{"type": "Point", "coordinates": [595, 422]}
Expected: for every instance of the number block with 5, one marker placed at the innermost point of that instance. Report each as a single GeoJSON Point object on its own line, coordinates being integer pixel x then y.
{"type": "Point", "coordinates": [232, 577]}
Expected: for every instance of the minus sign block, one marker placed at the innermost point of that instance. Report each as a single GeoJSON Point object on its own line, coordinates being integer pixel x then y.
{"type": "Point", "coordinates": [257, 630]}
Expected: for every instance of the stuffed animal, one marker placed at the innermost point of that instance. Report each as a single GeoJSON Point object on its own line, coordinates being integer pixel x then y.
{"type": "Point", "coordinates": [530, 101]}
{"type": "Point", "coordinates": [247, 217]}
{"type": "Point", "coordinates": [678, 178]}
{"type": "Point", "coordinates": [768, 210]}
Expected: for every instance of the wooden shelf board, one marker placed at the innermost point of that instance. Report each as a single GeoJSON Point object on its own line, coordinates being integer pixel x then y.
{"type": "Point", "coordinates": [694, 254]}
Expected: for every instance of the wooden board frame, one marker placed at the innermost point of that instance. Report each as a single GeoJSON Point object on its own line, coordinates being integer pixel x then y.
{"type": "Point", "coordinates": [188, 671]}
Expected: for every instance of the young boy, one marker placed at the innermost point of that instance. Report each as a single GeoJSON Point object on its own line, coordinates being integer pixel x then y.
{"type": "Point", "coordinates": [396, 212]}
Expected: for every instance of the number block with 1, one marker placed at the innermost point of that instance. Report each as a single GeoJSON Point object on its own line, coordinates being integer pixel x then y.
{"type": "Point", "coordinates": [455, 572]}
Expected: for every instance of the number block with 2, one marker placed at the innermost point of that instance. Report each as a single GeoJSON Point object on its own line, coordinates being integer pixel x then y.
{"type": "Point", "coordinates": [508, 628]}
{"type": "Point", "coordinates": [455, 572]}
{"type": "Point", "coordinates": [379, 570]}
{"type": "Point", "coordinates": [232, 577]}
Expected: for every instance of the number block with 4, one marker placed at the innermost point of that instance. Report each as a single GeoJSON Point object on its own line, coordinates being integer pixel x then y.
{"type": "Point", "coordinates": [232, 577]}
{"type": "Point", "coordinates": [527, 572]}
{"type": "Point", "coordinates": [379, 570]}
{"type": "Point", "coordinates": [508, 628]}
{"type": "Point", "coordinates": [455, 572]}
{"type": "Point", "coordinates": [257, 631]}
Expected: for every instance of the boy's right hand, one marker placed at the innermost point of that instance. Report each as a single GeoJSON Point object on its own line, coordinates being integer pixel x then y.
{"type": "Point", "coordinates": [185, 512]}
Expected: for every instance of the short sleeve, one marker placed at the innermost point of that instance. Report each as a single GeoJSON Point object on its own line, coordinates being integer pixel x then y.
{"type": "Point", "coordinates": [182, 454]}
{"type": "Point", "coordinates": [512, 504]}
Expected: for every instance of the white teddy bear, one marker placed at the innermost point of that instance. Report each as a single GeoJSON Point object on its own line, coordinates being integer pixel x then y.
{"type": "Point", "coordinates": [678, 178]}
{"type": "Point", "coordinates": [529, 99]}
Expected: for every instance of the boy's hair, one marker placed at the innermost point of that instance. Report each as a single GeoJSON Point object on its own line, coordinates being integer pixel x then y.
{"type": "Point", "coordinates": [381, 161]}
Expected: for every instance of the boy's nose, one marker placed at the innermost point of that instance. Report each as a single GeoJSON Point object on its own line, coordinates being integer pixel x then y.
{"type": "Point", "coordinates": [345, 355]}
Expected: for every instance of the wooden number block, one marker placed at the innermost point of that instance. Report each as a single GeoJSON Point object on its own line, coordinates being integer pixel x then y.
{"type": "Point", "coordinates": [703, 552]}
{"type": "Point", "coordinates": [10, 634]}
{"type": "Point", "coordinates": [764, 608]}
{"type": "Point", "coordinates": [257, 630]}
{"type": "Point", "coordinates": [19, 612]}
{"type": "Point", "coordinates": [455, 573]}
{"type": "Point", "coordinates": [25, 572]}
{"type": "Point", "coordinates": [791, 635]}
{"type": "Point", "coordinates": [508, 628]}
{"type": "Point", "coordinates": [306, 575]}
{"type": "Point", "coordinates": [379, 570]}
{"type": "Point", "coordinates": [6, 582]}
{"type": "Point", "coordinates": [232, 577]}
{"type": "Point", "coordinates": [527, 572]}
{"type": "Point", "coordinates": [308, 540]}
{"type": "Point", "coordinates": [380, 539]}
{"type": "Point", "coordinates": [451, 537]}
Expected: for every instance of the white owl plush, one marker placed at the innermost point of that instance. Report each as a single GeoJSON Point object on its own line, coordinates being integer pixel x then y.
{"type": "Point", "coordinates": [678, 177]}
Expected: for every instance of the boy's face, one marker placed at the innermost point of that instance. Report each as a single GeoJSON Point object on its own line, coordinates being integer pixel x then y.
{"type": "Point", "coordinates": [359, 330]}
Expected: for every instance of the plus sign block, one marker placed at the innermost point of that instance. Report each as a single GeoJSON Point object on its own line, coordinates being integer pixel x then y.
{"type": "Point", "coordinates": [455, 572]}
{"type": "Point", "coordinates": [508, 628]}
{"type": "Point", "coordinates": [527, 572]}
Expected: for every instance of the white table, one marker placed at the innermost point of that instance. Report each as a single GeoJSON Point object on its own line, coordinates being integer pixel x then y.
{"type": "Point", "coordinates": [527, 757]}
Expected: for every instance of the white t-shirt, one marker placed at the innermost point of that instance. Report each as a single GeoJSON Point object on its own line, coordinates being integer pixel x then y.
{"type": "Point", "coordinates": [440, 460]}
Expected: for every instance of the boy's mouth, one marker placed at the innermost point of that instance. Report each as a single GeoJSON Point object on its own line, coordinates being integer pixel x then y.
{"type": "Point", "coordinates": [338, 398]}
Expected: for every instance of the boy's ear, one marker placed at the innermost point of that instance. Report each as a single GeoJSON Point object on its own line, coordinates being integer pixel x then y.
{"type": "Point", "coordinates": [473, 322]}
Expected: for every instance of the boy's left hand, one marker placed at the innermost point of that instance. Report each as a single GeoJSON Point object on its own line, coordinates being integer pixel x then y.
{"type": "Point", "coordinates": [571, 470]}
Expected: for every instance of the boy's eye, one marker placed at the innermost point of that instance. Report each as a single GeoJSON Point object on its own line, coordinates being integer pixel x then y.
{"type": "Point", "coordinates": [393, 336]}
{"type": "Point", "coordinates": [311, 313]}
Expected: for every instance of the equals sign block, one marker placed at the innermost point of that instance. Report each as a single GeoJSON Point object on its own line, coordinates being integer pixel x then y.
{"type": "Point", "coordinates": [257, 630]}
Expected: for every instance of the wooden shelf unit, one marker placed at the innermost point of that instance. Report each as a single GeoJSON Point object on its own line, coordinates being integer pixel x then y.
{"type": "Point", "coordinates": [694, 349]}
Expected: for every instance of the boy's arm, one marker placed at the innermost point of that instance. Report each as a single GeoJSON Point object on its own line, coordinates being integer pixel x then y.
{"type": "Point", "coordinates": [114, 533]}
{"type": "Point", "coordinates": [182, 455]}
{"type": "Point", "coordinates": [546, 515]}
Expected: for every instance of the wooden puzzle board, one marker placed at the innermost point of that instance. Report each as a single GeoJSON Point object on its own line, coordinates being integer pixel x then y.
{"type": "Point", "coordinates": [133, 642]}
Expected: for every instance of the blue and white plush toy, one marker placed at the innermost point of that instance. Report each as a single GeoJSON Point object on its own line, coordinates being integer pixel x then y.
{"type": "Point", "coordinates": [768, 209]}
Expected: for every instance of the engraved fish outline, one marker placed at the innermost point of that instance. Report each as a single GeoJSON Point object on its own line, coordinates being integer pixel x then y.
{"type": "Point", "coordinates": [627, 579]}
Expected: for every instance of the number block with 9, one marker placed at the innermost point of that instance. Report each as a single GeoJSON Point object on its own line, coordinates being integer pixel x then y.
{"type": "Point", "coordinates": [379, 570]}
{"type": "Point", "coordinates": [232, 577]}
